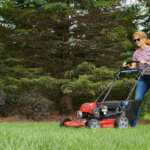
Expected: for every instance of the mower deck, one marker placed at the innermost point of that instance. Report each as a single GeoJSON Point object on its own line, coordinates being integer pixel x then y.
{"type": "Point", "coordinates": [105, 123]}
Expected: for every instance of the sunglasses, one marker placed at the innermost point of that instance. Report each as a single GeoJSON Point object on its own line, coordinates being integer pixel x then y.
{"type": "Point", "coordinates": [136, 40]}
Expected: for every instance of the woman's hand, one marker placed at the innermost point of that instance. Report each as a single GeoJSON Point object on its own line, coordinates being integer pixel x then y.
{"type": "Point", "coordinates": [143, 62]}
{"type": "Point", "coordinates": [125, 65]}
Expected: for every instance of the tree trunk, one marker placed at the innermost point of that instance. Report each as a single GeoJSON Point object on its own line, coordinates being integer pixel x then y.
{"type": "Point", "coordinates": [66, 104]}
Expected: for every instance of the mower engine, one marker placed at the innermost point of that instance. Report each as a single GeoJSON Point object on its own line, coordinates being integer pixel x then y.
{"type": "Point", "coordinates": [103, 109]}
{"type": "Point", "coordinates": [91, 110]}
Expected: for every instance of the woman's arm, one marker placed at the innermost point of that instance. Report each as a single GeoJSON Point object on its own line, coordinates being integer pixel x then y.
{"type": "Point", "coordinates": [144, 62]}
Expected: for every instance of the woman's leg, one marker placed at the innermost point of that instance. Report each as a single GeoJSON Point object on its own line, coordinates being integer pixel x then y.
{"type": "Point", "coordinates": [139, 95]}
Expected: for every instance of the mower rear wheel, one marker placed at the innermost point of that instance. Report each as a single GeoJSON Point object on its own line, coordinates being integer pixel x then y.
{"type": "Point", "coordinates": [63, 121]}
{"type": "Point", "coordinates": [122, 122]}
{"type": "Point", "coordinates": [93, 124]}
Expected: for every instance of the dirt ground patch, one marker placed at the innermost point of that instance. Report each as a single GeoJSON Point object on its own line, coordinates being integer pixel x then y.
{"type": "Point", "coordinates": [23, 119]}
{"type": "Point", "coordinates": [143, 121]}
{"type": "Point", "coordinates": [53, 118]}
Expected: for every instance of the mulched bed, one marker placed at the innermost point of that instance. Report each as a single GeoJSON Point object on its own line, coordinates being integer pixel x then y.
{"type": "Point", "coordinates": [143, 121]}
{"type": "Point", "coordinates": [53, 118]}
{"type": "Point", "coordinates": [56, 118]}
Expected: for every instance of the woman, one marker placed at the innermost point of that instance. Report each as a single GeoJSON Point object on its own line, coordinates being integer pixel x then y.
{"type": "Point", "coordinates": [142, 54]}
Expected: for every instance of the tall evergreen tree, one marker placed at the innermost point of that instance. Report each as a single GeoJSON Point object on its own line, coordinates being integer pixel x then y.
{"type": "Point", "coordinates": [42, 38]}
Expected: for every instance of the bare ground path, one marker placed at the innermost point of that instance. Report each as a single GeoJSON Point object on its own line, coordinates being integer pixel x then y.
{"type": "Point", "coordinates": [53, 118]}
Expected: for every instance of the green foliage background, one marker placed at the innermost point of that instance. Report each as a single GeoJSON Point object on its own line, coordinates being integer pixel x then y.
{"type": "Point", "coordinates": [66, 48]}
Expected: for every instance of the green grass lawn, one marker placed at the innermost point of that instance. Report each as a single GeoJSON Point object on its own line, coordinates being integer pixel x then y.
{"type": "Point", "coordinates": [49, 136]}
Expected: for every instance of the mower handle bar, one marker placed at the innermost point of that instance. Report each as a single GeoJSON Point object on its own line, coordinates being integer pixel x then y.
{"type": "Point", "coordinates": [141, 73]}
{"type": "Point", "coordinates": [135, 61]}
{"type": "Point", "coordinates": [132, 61]}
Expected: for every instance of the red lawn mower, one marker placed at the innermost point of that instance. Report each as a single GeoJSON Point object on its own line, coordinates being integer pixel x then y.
{"type": "Point", "coordinates": [109, 114]}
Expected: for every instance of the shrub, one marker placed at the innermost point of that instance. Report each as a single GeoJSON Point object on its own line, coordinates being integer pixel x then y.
{"type": "Point", "coordinates": [33, 105]}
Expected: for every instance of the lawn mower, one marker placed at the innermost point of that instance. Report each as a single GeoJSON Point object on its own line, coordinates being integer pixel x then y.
{"type": "Point", "coordinates": [109, 114]}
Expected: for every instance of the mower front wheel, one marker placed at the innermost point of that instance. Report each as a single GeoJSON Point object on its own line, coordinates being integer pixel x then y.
{"type": "Point", "coordinates": [93, 124]}
{"type": "Point", "coordinates": [63, 121]}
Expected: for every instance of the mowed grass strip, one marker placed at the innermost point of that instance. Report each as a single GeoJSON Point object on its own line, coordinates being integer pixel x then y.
{"type": "Point", "coordinates": [49, 136]}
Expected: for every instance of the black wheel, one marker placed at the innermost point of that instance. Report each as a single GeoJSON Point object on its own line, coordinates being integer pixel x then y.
{"type": "Point", "coordinates": [96, 112]}
{"type": "Point", "coordinates": [122, 122]}
{"type": "Point", "coordinates": [64, 120]}
{"type": "Point", "coordinates": [93, 124]}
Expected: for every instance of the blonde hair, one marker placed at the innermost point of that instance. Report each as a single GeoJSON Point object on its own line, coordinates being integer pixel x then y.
{"type": "Point", "coordinates": [142, 34]}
